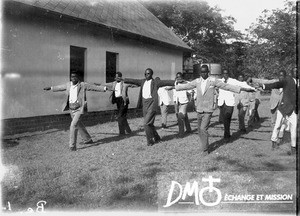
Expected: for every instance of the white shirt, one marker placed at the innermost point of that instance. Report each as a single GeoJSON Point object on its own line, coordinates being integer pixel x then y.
{"type": "Point", "coordinates": [203, 85]}
{"type": "Point", "coordinates": [146, 92]}
{"type": "Point", "coordinates": [181, 96]}
{"type": "Point", "coordinates": [164, 96]}
{"type": "Point", "coordinates": [73, 93]}
{"type": "Point", "coordinates": [227, 96]}
{"type": "Point", "coordinates": [118, 90]}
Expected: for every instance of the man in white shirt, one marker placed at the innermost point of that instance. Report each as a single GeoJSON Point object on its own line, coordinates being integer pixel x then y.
{"type": "Point", "coordinates": [205, 103]}
{"type": "Point", "coordinates": [182, 100]}
{"type": "Point", "coordinates": [226, 102]}
{"type": "Point", "coordinates": [165, 100]}
{"type": "Point", "coordinates": [148, 100]}
{"type": "Point", "coordinates": [120, 97]}
{"type": "Point", "coordinates": [76, 103]}
{"type": "Point", "coordinates": [242, 101]}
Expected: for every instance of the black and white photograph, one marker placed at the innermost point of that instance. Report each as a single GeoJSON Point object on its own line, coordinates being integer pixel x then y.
{"type": "Point", "coordinates": [149, 107]}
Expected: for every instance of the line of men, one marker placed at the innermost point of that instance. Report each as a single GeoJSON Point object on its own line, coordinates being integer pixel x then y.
{"type": "Point", "coordinates": [205, 103]}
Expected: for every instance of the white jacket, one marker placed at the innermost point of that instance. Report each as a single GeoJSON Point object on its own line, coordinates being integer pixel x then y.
{"type": "Point", "coordinates": [164, 96]}
{"type": "Point", "coordinates": [228, 97]}
{"type": "Point", "coordinates": [181, 96]}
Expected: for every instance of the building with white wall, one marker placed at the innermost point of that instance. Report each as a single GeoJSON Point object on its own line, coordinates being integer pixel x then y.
{"type": "Point", "coordinates": [44, 40]}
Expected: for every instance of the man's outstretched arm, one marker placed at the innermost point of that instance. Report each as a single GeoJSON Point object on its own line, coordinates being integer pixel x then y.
{"type": "Point", "coordinates": [56, 88]}
{"type": "Point", "coordinates": [137, 82]}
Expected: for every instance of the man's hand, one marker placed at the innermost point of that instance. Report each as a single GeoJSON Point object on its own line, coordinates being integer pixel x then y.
{"type": "Point", "coordinates": [169, 88]}
{"type": "Point", "coordinates": [248, 89]}
{"type": "Point", "coordinates": [249, 80]}
{"type": "Point", "coordinates": [47, 88]}
{"type": "Point", "coordinates": [109, 88]}
{"type": "Point", "coordinates": [257, 85]}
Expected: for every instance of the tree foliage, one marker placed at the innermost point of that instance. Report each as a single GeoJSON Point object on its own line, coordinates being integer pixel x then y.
{"type": "Point", "coordinates": [202, 27]}
{"type": "Point", "coordinates": [272, 42]}
{"type": "Point", "coordinates": [268, 47]}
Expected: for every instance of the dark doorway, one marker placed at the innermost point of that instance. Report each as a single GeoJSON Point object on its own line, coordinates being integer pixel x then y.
{"type": "Point", "coordinates": [77, 60]}
{"type": "Point", "coordinates": [111, 66]}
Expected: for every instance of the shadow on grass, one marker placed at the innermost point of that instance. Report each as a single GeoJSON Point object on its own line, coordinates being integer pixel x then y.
{"type": "Point", "coordinates": [151, 173]}
{"type": "Point", "coordinates": [109, 140]}
{"type": "Point", "coordinates": [138, 196]}
{"type": "Point", "coordinates": [274, 166]}
{"type": "Point", "coordinates": [233, 162]}
{"type": "Point", "coordinates": [124, 180]}
{"type": "Point", "coordinates": [175, 124]}
{"type": "Point", "coordinates": [235, 136]}
{"type": "Point", "coordinates": [176, 136]}
{"type": "Point", "coordinates": [9, 143]}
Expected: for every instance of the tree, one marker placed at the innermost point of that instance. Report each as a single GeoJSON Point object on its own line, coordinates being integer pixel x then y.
{"type": "Point", "coordinates": [202, 27]}
{"type": "Point", "coordinates": [272, 42]}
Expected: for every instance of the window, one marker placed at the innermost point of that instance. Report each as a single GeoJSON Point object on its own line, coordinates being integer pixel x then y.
{"type": "Point", "coordinates": [111, 66]}
{"type": "Point", "coordinates": [77, 60]}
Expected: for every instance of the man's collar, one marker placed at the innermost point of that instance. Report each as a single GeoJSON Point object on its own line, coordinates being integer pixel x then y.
{"type": "Point", "coordinates": [75, 84]}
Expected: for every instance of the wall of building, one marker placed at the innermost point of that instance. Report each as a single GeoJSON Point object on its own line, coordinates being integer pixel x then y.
{"type": "Point", "coordinates": [36, 54]}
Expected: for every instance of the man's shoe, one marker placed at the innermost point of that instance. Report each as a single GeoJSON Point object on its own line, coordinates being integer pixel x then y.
{"type": "Point", "coordinates": [150, 142]}
{"type": "Point", "coordinates": [188, 131]}
{"type": "Point", "coordinates": [157, 139]}
{"type": "Point", "coordinates": [180, 135]}
{"type": "Point", "coordinates": [274, 145]}
{"type": "Point", "coordinates": [88, 142]}
{"type": "Point", "coordinates": [243, 131]}
{"type": "Point", "coordinates": [73, 148]}
{"type": "Point", "coordinates": [292, 151]}
{"type": "Point", "coordinates": [227, 139]}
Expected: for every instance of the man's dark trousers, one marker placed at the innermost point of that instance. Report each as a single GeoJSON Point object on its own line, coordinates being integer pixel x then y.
{"type": "Point", "coordinates": [227, 115]}
{"type": "Point", "coordinates": [122, 116]}
{"type": "Point", "coordinates": [149, 113]}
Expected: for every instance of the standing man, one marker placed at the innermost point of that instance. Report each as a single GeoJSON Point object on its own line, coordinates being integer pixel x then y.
{"type": "Point", "coordinates": [226, 102]}
{"type": "Point", "coordinates": [120, 97]}
{"type": "Point", "coordinates": [205, 102]}
{"type": "Point", "coordinates": [182, 100]}
{"type": "Point", "coordinates": [242, 101]}
{"type": "Point", "coordinates": [287, 107]}
{"type": "Point", "coordinates": [164, 102]}
{"type": "Point", "coordinates": [275, 100]}
{"type": "Point", "coordinates": [76, 102]}
{"type": "Point", "coordinates": [148, 100]}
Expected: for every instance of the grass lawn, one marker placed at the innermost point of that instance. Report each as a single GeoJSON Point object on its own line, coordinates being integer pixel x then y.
{"type": "Point", "coordinates": [122, 173]}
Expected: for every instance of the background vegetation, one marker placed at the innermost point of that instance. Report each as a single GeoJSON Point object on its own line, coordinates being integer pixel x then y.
{"type": "Point", "coordinates": [268, 45]}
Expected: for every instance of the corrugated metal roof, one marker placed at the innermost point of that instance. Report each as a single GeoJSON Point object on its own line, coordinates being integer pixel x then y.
{"type": "Point", "coordinates": [129, 16]}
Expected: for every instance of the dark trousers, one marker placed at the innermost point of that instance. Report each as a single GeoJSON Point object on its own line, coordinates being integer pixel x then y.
{"type": "Point", "coordinates": [227, 115]}
{"type": "Point", "coordinates": [122, 116]}
{"type": "Point", "coordinates": [149, 113]}
{"type": "Point", "coordinates": [241, 115]}
{"type": "Point", "coordinates": [253, 113]}
{"type": "Point", "coordinates": [183, 119]}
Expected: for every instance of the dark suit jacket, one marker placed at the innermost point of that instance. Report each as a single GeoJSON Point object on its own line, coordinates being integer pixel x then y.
{"type": "Point", "coordinates": [124, 91]}
{"type": "Point", "coordinates": [288, 102]}
{"type": "Point", "coordinates": [155, 84]}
